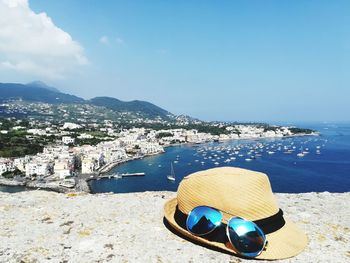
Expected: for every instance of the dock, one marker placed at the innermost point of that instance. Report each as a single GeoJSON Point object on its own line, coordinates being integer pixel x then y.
{"type": "Point", "coordinates": [110, 176]}
{"type": "Point", "coordinates": [132, 174]}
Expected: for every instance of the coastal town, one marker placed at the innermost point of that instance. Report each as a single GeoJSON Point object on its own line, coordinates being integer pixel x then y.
{"type": "Point", "coordinates": [80, 151]}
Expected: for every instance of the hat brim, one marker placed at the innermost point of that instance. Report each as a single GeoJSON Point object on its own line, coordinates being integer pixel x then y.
{"type": "Point", "coordinates": [283, 243]}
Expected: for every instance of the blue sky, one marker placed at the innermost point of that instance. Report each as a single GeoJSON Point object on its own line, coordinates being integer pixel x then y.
{"type": "Point", "coordinates": [226, 60]}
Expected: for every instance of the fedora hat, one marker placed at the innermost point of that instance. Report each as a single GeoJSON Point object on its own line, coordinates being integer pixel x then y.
{"type": "Point", "coordinates": [239, 192]}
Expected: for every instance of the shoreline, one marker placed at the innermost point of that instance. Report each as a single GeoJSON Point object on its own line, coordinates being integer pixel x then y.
{"type": "Point", "coordinates": [32, 185]}
{"type": "Point", "coordinates": [82, 180]}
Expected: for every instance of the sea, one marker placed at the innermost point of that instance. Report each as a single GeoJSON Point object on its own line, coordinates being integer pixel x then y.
{"type": "Point", "coordinates": [293, 165]}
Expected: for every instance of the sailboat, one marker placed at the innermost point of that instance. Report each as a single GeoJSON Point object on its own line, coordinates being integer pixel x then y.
{"type": "Point", "coordinates": [171, 176]}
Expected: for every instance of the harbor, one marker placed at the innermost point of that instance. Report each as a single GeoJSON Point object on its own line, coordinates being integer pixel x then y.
{"type": "Point", "coordinates": [293, 164]}
{"type": "Point", "coordinates": [290, 162]}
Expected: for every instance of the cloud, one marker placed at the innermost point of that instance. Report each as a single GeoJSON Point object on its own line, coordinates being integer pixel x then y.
{"type": "Point", "coordinates": [104, 40]}
{"type": "Point", "coordinates": [119, 40]}
{"type": "Point", "coordinates": [31, 43]}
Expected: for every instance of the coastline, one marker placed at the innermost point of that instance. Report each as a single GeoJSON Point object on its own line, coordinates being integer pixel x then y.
{"type": "Point", "coordinates": [108, 167]}
{"type": "Point", "coordinates": [32, 185]}
{"type": "Point", "coordinates": [112, 223]}
{"type": "Point", "coordinates": [82, 179]}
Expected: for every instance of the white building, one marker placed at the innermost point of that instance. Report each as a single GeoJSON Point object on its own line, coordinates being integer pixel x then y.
{"type": "Point", "coordinates": [114, 155]}
{"type": "Point", "coordinates": [63, 168]}
{"type": "Point", "coordinates": [71, 126]}
{"type": "Point", "coordinates": [129, 139]}
{"type": "Point", "coordinates": [56, 150]}
{"type": "Point", "coordinates": [20, 163]}
{"type": "Point", "coordinates": [150, 148]}
{"type": "Point", "coordinates": [67, 140]}
{"type": "Point", "coordinates": [36, 131]}
{"type": "Point", "coordinates": [270, 134]}
{"type": "Point", "coordinates": [38, 168]}
{"type": "Point", "coordinates": [6, 165]}
{"type": "Point", "coordinates": [88, 165]}
{"type": "Point", "coordinates": [85, 136]}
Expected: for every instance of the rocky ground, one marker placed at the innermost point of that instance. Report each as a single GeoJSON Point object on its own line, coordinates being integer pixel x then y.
{"type": "Point", "coordinates": [40, 226]}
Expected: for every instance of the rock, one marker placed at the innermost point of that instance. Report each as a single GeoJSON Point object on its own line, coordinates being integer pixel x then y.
{"type": "Point", "coordinates": [40, 226]}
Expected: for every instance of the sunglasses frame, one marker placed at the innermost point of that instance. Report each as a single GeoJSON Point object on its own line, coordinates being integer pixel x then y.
{"type": "Point", "coordinates": [245, 254]}
{"type": "Point", "coordinates": [227, 231]}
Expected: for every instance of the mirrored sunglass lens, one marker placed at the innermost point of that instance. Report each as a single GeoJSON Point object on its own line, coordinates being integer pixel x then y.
{"type": "Point", "coordinates": [247, 238]}
{"type": "Point", "coordinates": [202, 220]}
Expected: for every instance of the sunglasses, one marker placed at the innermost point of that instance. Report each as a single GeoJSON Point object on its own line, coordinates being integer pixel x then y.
{"type": "Point", "coordinates": [246, 238]}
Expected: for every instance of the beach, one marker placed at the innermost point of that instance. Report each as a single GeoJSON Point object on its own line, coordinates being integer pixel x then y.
{"type": "Point", "coordinates": [41, 226]}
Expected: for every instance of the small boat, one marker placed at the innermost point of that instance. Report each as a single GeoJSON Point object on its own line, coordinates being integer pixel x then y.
{"type": "Point", "coordinates": [300, 154]}
{"type": "Point", "coordinates": [171, 176]}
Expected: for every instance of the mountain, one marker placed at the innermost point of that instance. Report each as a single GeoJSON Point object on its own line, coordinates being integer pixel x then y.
{"type": "Point", "coordinates": [40, 84]}
{"type": "Point", "coordinates": [35, 93]}
{"type": "Point", "coordinates": [147, 108]}
{"type": "Point", "coordinates": [38, 91]}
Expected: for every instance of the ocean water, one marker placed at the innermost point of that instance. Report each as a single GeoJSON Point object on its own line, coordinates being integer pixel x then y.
{"type": "Point", "coordinates": [13, 189]}
{"type": "Point", "coordinates": [326, 166]}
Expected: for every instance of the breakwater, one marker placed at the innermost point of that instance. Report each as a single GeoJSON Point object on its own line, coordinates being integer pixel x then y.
{"type": "Point", "coordinates": [54, 186]}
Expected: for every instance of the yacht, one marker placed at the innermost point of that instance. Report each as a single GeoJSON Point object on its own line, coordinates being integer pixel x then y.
{"type": "Point", "coordinates": [171, 176]}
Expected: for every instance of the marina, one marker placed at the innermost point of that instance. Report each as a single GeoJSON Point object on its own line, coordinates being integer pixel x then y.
{"type": "Point", "coordinates": [295, 164]}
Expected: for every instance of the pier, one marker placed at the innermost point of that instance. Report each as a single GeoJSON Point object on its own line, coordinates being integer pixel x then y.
{"type": "Point", "coordinates": [110, 176]}
{"type": "Point", "coordinates": [132, 174]}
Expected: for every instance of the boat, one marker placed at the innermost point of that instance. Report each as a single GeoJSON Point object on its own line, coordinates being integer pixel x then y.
{"type": "Point", "coordinates": [68, 183]}
{"type": "Point", "coordinates": [171, 176]}
{"type": "Point", "coordinates": [300, 154]}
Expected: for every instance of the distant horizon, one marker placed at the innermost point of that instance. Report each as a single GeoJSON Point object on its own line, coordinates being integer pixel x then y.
{"type": "Point", "coordinates": [285, 122]}
{"type": "Point", "coordinates": [244, 60]}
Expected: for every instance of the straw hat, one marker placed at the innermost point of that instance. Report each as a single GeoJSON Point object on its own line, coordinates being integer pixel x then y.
{"type": "Point", "coordinates": [239, 192]}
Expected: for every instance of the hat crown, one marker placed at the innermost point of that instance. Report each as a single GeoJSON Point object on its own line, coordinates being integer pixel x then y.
{"type": "Point", "coordinates": [234, 191]}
